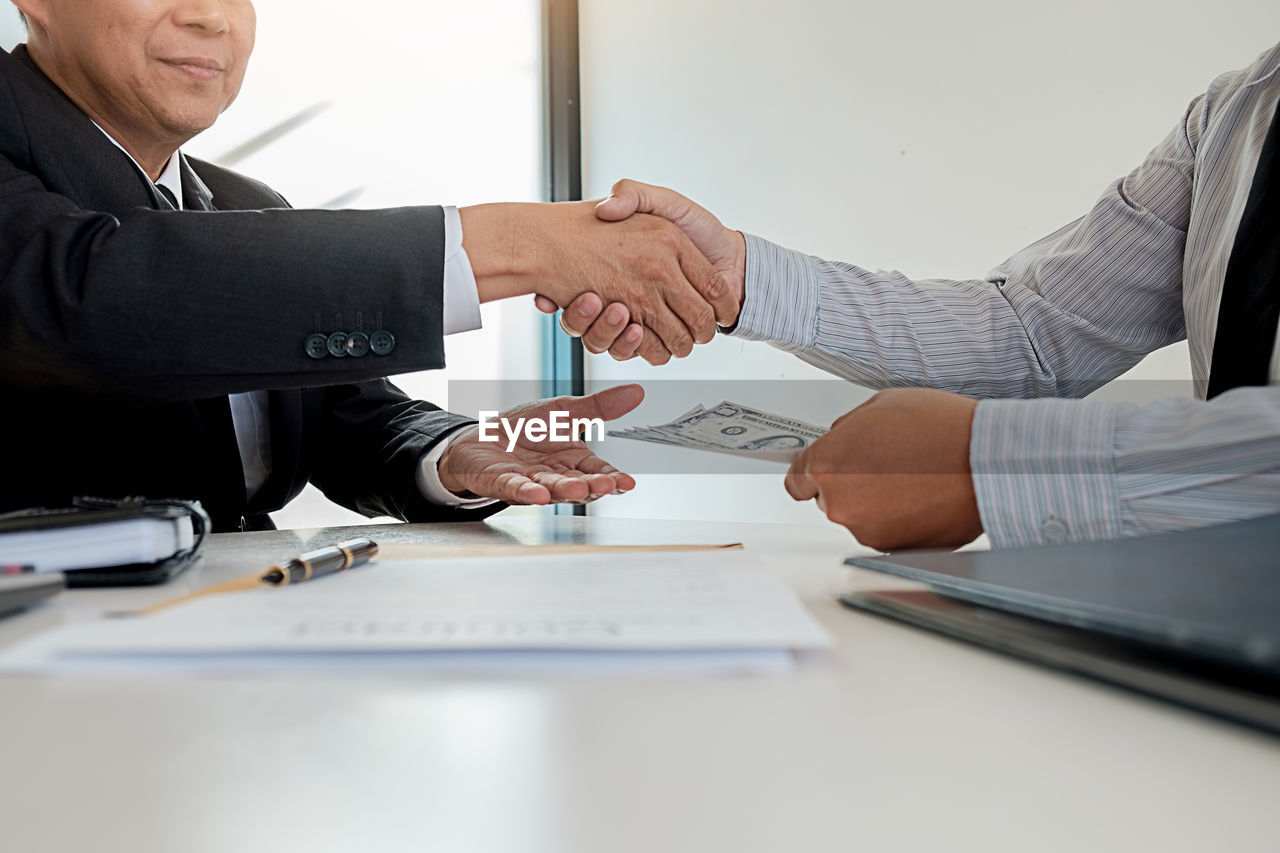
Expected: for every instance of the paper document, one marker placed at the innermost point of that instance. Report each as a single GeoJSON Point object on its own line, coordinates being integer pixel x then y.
{"type": "Point", "coordinates": [696, 602]}
{"type": "Point", "coordinates": [732, 428]}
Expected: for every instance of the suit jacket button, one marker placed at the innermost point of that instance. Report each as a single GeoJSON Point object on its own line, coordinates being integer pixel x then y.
{"type": "Point", "coordinates": [337, 344]}
{"type": "Point", "coordinates": [382, 342]}
{"type": "Point", "coordinates": [317, 346]}
{"type": "Point", "coordinates": [357, 344]}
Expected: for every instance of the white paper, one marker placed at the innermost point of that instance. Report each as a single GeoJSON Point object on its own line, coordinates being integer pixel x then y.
{"type": "Point", "coordinates": [697, 601]}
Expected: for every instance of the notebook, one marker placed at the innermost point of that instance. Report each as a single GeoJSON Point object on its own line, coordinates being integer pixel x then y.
{"type": "Point", "coordinates": [1192, 616]}
{"type": "Point", "coordinates": [132, 541]}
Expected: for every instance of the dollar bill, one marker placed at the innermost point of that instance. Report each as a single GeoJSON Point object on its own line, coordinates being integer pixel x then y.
{"type": "Point", "coordinates": [731, 428]}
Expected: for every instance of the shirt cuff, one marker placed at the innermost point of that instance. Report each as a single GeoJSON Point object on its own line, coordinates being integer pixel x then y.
{"type": "Point", "coordinates": [1044, 471]}
{"type": "Point", "coordinates": [461, 295]}
{"type": "Point", "coordinates": [780, 295]}
{"type": "Point", "coordinates": [428, 477]}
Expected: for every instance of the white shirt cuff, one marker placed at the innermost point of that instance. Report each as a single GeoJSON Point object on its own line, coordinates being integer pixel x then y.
{"type": "Point", "coordinates": [461, 296]}
{"type": "Point", "coordinates": [428, 478]}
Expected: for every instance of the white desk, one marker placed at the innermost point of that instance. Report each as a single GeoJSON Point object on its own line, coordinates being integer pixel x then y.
{"type": "Point", "coordinates": [896, 740]}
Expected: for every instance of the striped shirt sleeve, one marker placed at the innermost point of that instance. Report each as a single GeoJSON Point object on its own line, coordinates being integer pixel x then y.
{"type": "Point", "coordinates": [1072, 470]}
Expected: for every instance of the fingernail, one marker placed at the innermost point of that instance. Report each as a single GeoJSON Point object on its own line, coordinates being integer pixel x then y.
{"type": "Point", "coordinates": [584, 310]}
{"type": "Point", "coordinates": [614, 315]}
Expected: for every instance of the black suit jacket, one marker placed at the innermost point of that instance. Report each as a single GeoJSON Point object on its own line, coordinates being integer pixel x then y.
{"type": "Point", "coordinates": [123, 326]}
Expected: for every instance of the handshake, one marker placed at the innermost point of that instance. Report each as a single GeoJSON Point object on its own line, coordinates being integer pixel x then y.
{"type": "Point", "coordinates": [645, 272]}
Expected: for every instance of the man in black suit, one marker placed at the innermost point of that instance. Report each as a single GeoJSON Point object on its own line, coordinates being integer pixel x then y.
{"type": "Point", "coordinates": [169, 328]}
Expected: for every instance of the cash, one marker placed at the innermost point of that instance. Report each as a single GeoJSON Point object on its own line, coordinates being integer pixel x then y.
{"type": "Point", "coordinates": [731, 428]}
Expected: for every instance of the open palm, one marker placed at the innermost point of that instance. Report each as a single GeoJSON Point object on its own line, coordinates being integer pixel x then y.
{"type": "Point", "coordinates": [540, 472]}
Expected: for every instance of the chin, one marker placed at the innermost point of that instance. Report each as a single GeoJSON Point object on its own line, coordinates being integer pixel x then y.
{"type": "Point", "coordinates": [192, 123]}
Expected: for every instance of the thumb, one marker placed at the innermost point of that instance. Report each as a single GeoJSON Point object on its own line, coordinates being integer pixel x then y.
{"type": "Point", "coordinates": [798, 483]}
{"type": "Point", "coordinates": [607, 405]}
{"type": "Point", "coordinates": [619, 205]}
{"type": "Point", "coordinates": [800, 486]}
{"type": "Point", "coordinates": [629, 197]}
{"type": "Point", "coordinates": [707, 233]}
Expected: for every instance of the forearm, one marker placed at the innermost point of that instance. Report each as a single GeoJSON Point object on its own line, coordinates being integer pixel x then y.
{"type": "Point", "coordinates": [1068, 470]}
{"type": "Point", "coordinates": [976, 337]}
{"type": "Point", "coordinates": [517, 249]}
{"type": "Point", "coordinates": [494, 237]}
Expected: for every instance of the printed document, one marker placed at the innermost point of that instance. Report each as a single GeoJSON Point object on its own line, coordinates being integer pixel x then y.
{"type": "Point", "coordinates": [705, 602]}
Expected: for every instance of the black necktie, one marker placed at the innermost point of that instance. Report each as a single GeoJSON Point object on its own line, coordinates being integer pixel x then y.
{"type": "Point", "coordinates": [1250, 308]}
{"type": "Point", "coordinates": [168, 195]}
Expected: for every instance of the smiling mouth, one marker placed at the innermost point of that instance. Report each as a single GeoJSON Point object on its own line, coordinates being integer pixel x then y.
{"type": "Point", "coordinates": [197, 68]}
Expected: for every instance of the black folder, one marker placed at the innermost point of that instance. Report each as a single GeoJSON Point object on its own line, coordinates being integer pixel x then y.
{"type": "Point", "coordinates": [1191, 616]}
{"type": "Point", "coordinates": [104, 542]}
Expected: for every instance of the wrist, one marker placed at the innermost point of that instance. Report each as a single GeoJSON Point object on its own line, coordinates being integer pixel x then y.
{"type": "Point", "coordinates": [733, 266]}
{"type": "Point", "coordinates": [449, 482]}
{"type": "Point", "coordinates": [738, 280]}
{"type": "Point", "coordinates": [518, 249]}
{"type": "Point", "coordinates": [502, 259]}
{"type": "Point", "coordinates": [447, 471]}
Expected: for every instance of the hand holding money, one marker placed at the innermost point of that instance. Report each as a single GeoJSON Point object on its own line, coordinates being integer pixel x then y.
{"type": "Point", "coordinates": [895, 471]}
{"type": "Point", "coordinates": [732, 428]}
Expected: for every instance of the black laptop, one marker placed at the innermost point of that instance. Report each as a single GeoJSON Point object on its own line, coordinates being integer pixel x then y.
{"type": "Point", "coordinates": [1191, 616]}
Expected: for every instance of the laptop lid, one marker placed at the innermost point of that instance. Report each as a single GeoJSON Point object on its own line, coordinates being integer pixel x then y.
{"type": "Point", "coordinates": [1212, 591]}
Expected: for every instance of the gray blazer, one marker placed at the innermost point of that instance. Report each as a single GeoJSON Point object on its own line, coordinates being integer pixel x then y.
{"type": "Point", "coordinates": [124, 325]}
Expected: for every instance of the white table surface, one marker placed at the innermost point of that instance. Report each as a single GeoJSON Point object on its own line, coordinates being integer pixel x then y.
{"type": "Point", "coordinates": [896, 740]}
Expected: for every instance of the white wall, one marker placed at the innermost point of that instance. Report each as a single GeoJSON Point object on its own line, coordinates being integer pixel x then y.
{"type": "Point", "coordinates": [931, 137]}
{"type": "Point", "coordinates": [11, 31]}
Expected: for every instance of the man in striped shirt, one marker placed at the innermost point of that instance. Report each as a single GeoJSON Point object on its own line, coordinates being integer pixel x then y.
{"type": "Point", "coordinates": [1168, 252]}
